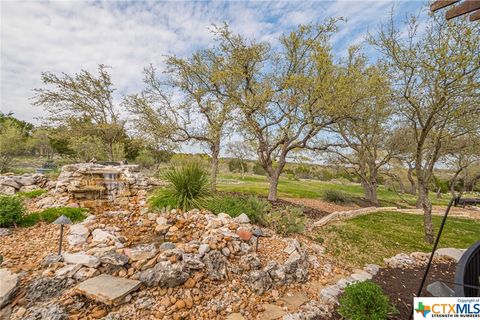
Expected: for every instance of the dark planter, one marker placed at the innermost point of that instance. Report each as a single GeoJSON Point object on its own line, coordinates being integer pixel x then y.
{"type": "Point", "coordinates": [468, 273]}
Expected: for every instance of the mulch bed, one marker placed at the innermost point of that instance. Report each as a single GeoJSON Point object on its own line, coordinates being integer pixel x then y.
{"type": "Point", "coordinates": [401, 285]}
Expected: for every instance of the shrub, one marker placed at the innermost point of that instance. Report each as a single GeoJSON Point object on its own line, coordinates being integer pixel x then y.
{"type": "Point", "coordinates": [51, 214]}
{"type": "Point", "coordinates": [145, 158]}
{"type": "Point", "coordinates": [254, 207]}
{"type": "Point", "coordinates": [32, 194]}
{"type": "Point", "coordinates": [258, 169]}
{"type": "Point", "coordinates": [189, 188]}
{"type": "Point", "coordinates": [286, 221]}
{"type": "Point", "coordinates": [336, 196]}
{"type": "Point", "coordinates": [365, 301]}
{"type": "Point", "coordinates": [11, 210]}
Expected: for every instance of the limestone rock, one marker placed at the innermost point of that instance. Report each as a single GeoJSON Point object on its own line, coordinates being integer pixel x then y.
{"type": "Point", "coordinates": [114, 258]}
{"type": "Point", "coordinates": [44, 288]}
{"type": "Point", "coordinates": [51, 259]}
{"type": "Point", "coordinates": [271, 312]}
{"type": "Point", "coordinates": [50, 312]}
{"type": "Point", "coordinates": [260, 281]}
{"type": "Point", "coordinates": [242, 219]}
{"type": "Point", "coordinates": [80, 230]}
{"type": "Point", "coordinates": [451, 253]}
{"type": "Point", "coordinates": [164, 274]}
{"type": "Point", "coordinates": [107, 289]}
{"type": "Point", "coordinates": [81, 258]}
{"type": "Point", "coordinates": [216, 265]}
{"type": "Point", "coordinates": [4, 232]}
{"type": "Point", "coordinates": [141, 252]}
{"type": "Point", "coordinates": [67, 271]}
{"type": "Point", "coordinates": [76, 240]}
{"type": "Point", "coordinates": [9, 284]}
{"type": "Point", "coordinates": [401, 260]}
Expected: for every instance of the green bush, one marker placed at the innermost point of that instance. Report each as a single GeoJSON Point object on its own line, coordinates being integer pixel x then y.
{"type": "Point", "coordinates": [51, 214]}
{"type": "Point", "coordinates": [286, 221]}
{"type": "Point", "coordinates": [365, 301]}
{"type": "Point", "coordinates": [254, 207]}
{"type": "Point", "coordinates": [189, 188]}
{"type": "Point", "coordinates": [258, 169]}
{"type": "Point", "coordinates": [32, 194]}
{"type": "Point", "coordinates": [11, 210]}
{"type": "Point", "coordinates": [336, 196]}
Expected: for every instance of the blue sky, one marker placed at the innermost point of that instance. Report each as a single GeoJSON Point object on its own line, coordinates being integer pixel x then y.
{"type": "Point", "coordinates": [70, 35]}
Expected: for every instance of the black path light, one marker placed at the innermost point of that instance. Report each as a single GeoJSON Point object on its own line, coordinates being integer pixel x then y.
{"type": "Point", "coordinates": [62, 220]}
{"type": "Point", "coordinates": [258, 233]}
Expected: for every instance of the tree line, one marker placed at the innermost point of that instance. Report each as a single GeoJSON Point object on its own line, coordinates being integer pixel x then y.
{"type": "Point", "coordinates": [418, 104]}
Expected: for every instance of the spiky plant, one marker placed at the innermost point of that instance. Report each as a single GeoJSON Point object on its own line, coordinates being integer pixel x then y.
{"type": "Point", "coordinates": [189, 187]}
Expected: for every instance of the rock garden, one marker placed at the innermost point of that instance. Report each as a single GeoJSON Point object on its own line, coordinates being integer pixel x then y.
{"type": "Point", "coordinates": [123, 258]}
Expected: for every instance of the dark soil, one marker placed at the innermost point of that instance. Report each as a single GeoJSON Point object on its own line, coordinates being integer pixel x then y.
{"type": "Point", "coordinates": [401, 285]}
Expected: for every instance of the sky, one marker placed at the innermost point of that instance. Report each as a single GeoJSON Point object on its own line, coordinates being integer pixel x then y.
{"type": "Point", "coordinates": [67, 36]}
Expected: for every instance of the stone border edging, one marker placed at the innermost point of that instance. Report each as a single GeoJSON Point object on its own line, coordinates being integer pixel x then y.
{"type": "Point", "coordinates": [349, 214]}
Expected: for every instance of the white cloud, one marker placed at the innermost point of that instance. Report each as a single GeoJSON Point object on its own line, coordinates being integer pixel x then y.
{"type": "Point", "coordinates": [69, 36]}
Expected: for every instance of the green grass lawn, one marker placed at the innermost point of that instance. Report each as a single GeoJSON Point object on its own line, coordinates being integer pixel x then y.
{"type": "Point", "coordinates": [314, 189]}
{"type": "Point", "coordinates": [370, 238]}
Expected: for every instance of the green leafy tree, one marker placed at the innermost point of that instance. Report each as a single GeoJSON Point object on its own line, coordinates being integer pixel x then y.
{"type": "Point", "coordinates": [435, 73]}
{"type": "Point", "coordinates": [12, 143]}
{"type": "Point", "coordinates": [83, 103]}
{"type": "Point", "coordinates": [287, 94]}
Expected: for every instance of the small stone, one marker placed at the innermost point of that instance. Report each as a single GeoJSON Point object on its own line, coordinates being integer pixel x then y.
{"type": "Point", "coordinates": [244, 234]}
{"type": "Point", "coordinates": [235, 316]}
{"type": "Point", "coordinates": [99, 313]}
{"type": "Point", "coordinates": [190, 283]}
{"type": "Point", "coordinates": [204, 248]}
{"type": "Point", "coordinates": [180, 304]}
{"type": "Point", "coordinates": [141, 252]}
{"type": "Point", "coordinates": [242, 219]}
{"type": "Point", "coordinates": [165, 301]}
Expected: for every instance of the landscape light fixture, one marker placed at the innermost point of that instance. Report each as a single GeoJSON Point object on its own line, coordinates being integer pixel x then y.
{"type": "Point", "coordinates": [258, 233]}
{"type": "Point", "coordinates": [62, 220]}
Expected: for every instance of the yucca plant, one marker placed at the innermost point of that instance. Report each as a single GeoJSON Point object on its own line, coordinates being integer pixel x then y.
{"type": "Point", "coordinates": [189, 187]}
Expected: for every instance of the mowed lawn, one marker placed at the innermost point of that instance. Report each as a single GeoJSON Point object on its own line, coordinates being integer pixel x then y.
{"type": "Point", "coordinates": [370, 238]}
{"type": "Point", "coordinates": [314, 189]}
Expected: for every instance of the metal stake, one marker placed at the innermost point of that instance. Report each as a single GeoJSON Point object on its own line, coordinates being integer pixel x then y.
{"type": "Point", "coordinates": [61, 238]}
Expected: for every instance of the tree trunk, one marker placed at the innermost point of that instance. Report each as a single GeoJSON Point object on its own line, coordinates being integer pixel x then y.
{"type": "Point", "coordinates": [214, 169]}
{"type": "Point", "coordinates": [274, 179]}
{"type": "Point", "coordinates": [439, 192]}
{"type": "Point", "coordinates": [413, 186]}
{"type": "Point", "coordinates": [272, 190]}
{"type": "Point", "coordinates": [110, 151]}
{"type": "Point", "coordinates": [427, 210]}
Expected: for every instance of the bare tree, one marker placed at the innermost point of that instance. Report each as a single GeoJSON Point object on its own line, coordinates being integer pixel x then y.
{"type": "Point", "coordinates": [436, 77]}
